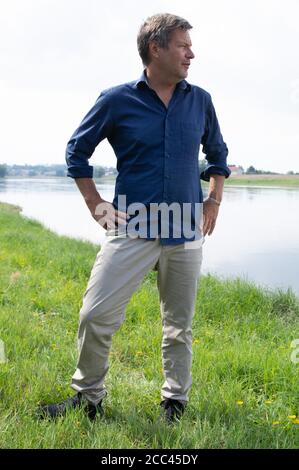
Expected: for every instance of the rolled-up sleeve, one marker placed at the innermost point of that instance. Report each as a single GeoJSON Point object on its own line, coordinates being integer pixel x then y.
{"type": "Point", "coordinates": [214, 147]}
{"type": "Point", "coordinates": [95, 127]}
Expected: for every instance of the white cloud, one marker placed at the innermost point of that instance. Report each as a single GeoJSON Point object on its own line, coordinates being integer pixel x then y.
{"type": "Point", "coordinates": [57, 55]}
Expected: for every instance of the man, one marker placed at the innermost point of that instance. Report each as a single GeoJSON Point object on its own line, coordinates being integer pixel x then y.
{"type": "Point", "coordinates": [155, 126]}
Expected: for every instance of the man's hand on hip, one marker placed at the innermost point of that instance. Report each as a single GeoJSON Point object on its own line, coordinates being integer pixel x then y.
{"type": "Point", "coordinates": [210, 213]}
{"type": "Point", "coordinates": [107, 216]}
{"type": "Point", "coordinates": [212, 203]}
{"type": "Point", "coordinates": [102, 211]}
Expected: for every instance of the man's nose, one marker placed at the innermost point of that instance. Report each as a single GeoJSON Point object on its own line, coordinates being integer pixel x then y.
{"type": "Point", "coordinates": [191, 55]}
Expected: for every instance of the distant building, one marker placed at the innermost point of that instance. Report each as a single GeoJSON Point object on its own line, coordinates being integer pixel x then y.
{"type": "Point", "coordinates": [236, 170]}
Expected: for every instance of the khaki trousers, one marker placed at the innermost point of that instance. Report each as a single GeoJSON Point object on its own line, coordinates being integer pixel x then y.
{"type": "Point", "coordinates": [119, 269]}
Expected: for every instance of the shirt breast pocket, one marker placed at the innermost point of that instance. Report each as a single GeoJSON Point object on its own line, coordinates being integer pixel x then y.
{"type": "Point", "coordinates": [191, 134]}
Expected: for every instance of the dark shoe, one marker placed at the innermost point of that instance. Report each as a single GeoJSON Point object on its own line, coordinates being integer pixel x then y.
{"type": "Point", "coordinates": [77, 401]}
{"type": "Point", "coordinates": [172, 410]}
{"type": "Point", "coordinates": [92, 410]}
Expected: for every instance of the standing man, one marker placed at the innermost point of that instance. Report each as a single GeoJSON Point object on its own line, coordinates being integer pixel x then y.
{"type": "Point", "coordinates": [155, 126]}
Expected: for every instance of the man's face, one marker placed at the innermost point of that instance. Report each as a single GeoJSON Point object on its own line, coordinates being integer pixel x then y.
{"type": "Point", "coordinates": [175, 60]}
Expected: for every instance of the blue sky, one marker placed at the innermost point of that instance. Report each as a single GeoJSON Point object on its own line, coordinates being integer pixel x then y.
{"type": "Point", "coordinates": [57, 55]}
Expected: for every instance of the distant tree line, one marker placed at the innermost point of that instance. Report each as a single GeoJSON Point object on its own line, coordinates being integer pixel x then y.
{"type": "Point", "coordinates": [252, 171]}
{"type": "Point", "coordinates": [98, 171]}
{"type": "Point", "coordinates": [3, 170]}
{"type": "Point", "coordinates": [49, 170]}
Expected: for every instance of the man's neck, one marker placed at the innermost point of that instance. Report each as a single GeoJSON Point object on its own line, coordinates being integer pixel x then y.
{"type": "Point", "coordinates": [159, 83]}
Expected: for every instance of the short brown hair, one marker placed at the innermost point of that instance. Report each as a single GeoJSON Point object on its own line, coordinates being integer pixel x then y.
{"type": "Point", "coordinates": [158, 28]}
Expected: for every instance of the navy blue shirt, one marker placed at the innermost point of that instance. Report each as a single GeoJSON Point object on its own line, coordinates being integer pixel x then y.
{"type": "Point", "coordinates": [157, 147]}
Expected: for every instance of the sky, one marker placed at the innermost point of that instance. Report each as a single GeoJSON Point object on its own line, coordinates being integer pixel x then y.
{"type": "Point", "coordinates": [56, 56]}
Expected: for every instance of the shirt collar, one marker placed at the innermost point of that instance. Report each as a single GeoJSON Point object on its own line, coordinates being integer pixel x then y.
{"type": "Point", "coordinates": [143, 81]}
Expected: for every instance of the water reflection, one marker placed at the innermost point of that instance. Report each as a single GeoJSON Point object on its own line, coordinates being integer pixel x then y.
{"type": "Point", "coordinates": [256, 236]}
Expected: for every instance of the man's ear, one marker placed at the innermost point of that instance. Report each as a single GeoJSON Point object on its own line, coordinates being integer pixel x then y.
{"type": "Point", "coordinates": [154, 49]}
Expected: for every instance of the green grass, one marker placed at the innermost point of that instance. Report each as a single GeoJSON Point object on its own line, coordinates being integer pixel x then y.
{"type": "Point", "coordinates": [242, 337]}
{"type": "Point", "coordinates": [264, 180]}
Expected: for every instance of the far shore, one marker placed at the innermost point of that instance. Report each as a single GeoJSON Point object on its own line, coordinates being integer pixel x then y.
{"type": "Point", "coordinates": [263, 180]}
{"type": "Point", "coordinates": [279, 180]}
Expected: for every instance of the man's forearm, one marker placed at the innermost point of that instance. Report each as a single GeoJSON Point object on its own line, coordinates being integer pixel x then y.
{"type": "Point", "coordinates": [101, 210]}
{"type": "Point", "coordinates": [89, 191]}
{"type": "Point", "coordinates": [216, 187]}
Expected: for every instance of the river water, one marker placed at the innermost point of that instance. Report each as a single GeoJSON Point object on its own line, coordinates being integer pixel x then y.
{"type": "Point", "coordinates": [256, 235]}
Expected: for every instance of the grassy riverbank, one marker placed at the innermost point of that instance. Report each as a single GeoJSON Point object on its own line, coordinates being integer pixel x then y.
{"type": "Point", "coordinates": [263, 180]}
{"type": "Point", "coordinates": [245, 386]}
{"type": "Point", "coordinates": [241, 180]}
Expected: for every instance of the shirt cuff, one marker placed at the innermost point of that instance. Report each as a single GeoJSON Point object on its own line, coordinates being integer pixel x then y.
{"type": "Point", "coordinates": [214, 170]}
{"type": "Point", "coordinates": [80, 172]}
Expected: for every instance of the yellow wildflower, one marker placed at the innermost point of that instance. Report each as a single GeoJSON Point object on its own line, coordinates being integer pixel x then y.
{"type": "Point", "coordinates": [240, 402]}
{"type": "Point", "coordinates": [295, 421]}
{"type": "Point", "coordinates": [292, 416]}
{"type": "Point", "coordinates": [275, 423]}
